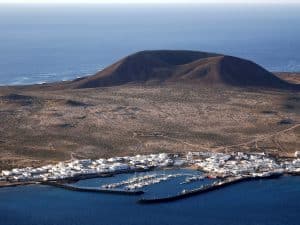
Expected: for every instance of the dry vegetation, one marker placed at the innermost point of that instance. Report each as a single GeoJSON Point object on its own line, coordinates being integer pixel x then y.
{"type": "Point", "coordinates": [290, 77]}
{"type": "Point", "coordinates": [39, 127]}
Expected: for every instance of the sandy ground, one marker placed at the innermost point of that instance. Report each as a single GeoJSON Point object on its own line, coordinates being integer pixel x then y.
{"type": "Point", "coordinates": [290, 77]}
{"type": "Point", "coordinates": [40, 127]}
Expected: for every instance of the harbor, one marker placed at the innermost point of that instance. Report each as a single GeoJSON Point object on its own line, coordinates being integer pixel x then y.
{"type": "Point", "coordinates": [203, 189]}
{"type": "Point", "coordinates": [273, 199]}
{"type": "Point", "coordinates": [212, 171]}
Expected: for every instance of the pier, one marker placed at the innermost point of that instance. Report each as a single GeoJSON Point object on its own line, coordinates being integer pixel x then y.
{"type": "Point", "coordinates": [96, 190]}
{"type": "Point", "coordinates": [204, 189]}
{"type": "Point", "coordinates": [15, 184]}
{"type": "Point", "coordinates": [296, 173]}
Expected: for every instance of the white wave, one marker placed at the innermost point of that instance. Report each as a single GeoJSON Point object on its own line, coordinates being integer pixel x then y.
{"type": "Point", "coordinates": [47, 77]}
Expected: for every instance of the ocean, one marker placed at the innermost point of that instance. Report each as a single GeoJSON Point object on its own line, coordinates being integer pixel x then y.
{"type": "Point", "coordinates": [260, 202]}
{"type": "Point", "coordinates": [50, 43]}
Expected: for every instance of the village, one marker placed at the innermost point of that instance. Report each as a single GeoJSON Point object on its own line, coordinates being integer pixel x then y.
{"type": "Point", "coordinates": [213, 164]}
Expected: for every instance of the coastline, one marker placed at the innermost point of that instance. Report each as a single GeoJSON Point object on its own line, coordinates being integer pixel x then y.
{"type": "Point", "coordinates": [225, 170]}
{"type": "Point", "coordinates": [70, 180]}
{"type": "Point", "coordinates": [4, 184]}
{"type": "Point", "coordinates": [222, 183]}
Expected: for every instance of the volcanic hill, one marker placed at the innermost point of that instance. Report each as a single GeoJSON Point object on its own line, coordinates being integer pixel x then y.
{"type": "Point", "coordinates": [183, 101]}
{"type": "Point", "coordinates": [167, 66]}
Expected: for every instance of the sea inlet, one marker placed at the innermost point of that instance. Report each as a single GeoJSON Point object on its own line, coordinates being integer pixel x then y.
{"type": "Point", "coordinates": [257, 202]}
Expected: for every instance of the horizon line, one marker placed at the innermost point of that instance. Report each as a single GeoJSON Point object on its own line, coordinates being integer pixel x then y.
{"type": "Point", "coordinates": [151, 3]}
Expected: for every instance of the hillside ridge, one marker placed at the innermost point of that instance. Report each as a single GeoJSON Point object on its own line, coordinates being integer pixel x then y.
{"type": "Point", "coordinates": [169, 66]}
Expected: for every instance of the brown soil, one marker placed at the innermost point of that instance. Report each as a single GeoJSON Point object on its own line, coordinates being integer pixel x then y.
{"type": "Point", "coordinates": [39, 126]}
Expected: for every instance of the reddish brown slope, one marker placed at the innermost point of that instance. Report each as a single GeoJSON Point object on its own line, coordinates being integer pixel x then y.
{"type": "Point", "coordinates": [184, 66]}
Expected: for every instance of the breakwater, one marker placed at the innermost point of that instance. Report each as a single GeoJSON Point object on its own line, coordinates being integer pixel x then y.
{"type": "Point", "coordinates": [204, 189]}
{"type": "Point", "coordinates": [294, 173]}
{"type": "Point", "coordinates": [71, 207]}
{"type": "Point", "coordinates": [73, 179]}
{"type": "Point", "coordinates": [97, 190]}
{"type": "Point", "coordinates": [15, 184]}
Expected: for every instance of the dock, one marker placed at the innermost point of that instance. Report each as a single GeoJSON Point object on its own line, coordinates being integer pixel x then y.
{"type": "Point", "coordinates": [296, 173]}
{"type": "Point", "coordinates": [203, 189]}
{"type": "Point", "coordinates": [15, 184]}
{"type": "Point", "coordinates": [95, 190]}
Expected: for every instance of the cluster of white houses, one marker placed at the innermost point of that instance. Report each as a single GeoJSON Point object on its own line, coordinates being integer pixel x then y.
{"type": "Point", "coordinates": [231, 164]}
{"type": "Point", "coordinates": [76, 168]}
{"type": "Point", "coordinates": [237, 164]}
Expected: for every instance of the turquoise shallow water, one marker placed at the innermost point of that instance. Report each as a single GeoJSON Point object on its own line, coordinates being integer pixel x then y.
{"type": "Point", "coordinates": [40, 44]}
{"type": "Point", "coordinates": [261, 202]}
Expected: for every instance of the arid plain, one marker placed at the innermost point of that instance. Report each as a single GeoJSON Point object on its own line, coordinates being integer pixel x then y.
{"type": "Point", "coordinates": [39, 127]}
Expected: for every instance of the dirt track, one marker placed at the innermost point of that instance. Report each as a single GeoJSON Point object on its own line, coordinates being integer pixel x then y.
{"type": "Point", "coordinates": [39, 127]}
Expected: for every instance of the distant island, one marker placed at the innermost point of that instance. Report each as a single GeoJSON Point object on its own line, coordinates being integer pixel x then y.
{"type": "Point", "coordinates": [152, 102]}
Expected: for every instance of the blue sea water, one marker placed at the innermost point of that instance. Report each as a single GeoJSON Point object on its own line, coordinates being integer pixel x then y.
{"type": "Point", "coordinates": [261, 202]}
{"type": "Point", "coordinates": [41, 44]}
{"type": "Point", "coordinates": [163, 189]}
{"type": "Point", "coordinates": [49, 43]}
